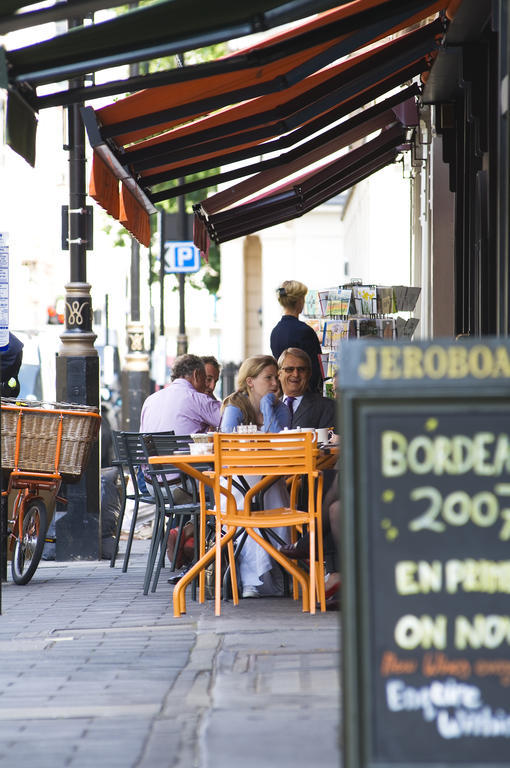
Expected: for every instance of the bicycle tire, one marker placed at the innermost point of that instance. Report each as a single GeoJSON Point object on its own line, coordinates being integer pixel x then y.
{"type": "Point", "coordinates": [29, 548]}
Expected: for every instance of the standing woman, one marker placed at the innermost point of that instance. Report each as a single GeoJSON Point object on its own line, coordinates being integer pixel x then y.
{"type": "Point", "coordinates": [256, 402]}
{"type": "Point", "coordinates": [292, 332]}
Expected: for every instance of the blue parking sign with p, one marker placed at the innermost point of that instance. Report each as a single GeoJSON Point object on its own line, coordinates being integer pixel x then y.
{"type": "Point", "coordinates": [181, 256]}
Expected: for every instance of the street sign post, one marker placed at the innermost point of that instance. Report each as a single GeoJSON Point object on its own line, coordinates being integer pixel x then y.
{"type": "Point", "coordinates": [181, 256]}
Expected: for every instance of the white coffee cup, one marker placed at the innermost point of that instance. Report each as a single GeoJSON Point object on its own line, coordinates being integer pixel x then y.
{"type": "Point", "coordinates": [197, 449]}
{"type": "Point", "coordinates": [322, 435]}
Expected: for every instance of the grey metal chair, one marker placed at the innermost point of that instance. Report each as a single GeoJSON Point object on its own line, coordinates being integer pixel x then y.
{"type": "Point", "coordinates": [130, 456]}
{"type": "Point", "coordinates": [168, 513]}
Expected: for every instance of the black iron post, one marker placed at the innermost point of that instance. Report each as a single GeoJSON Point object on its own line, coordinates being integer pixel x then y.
{"type": "Point", "coordinates": [78, 523]}
{"type": "Point", "coordinates": [161, 217]}
{"type": "Point", "coordinates": [135, 279]}
{"type": "Point", "coordinates": [182, 339]}
{"type": "Point", "coordinates": [135, 375]}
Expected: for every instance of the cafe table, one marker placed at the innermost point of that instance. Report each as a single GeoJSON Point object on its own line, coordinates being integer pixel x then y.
{"type": "Point", "coordinates": [190, 464]}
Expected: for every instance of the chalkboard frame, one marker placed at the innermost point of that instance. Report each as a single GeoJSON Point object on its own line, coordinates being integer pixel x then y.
{"type": "Point", "coordinates": [355, 405]}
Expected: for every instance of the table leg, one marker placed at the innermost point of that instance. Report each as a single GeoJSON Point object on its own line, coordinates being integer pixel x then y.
{"type": "Point", "coordinates": [179, 600]}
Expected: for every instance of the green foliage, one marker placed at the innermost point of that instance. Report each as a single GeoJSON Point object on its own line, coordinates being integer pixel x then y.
{"type": "Point", "coordinates": [121, 237]}
{"type": "Point", "coordinates": [209, 275]}
{"type": "Point", "coordinates": [170, 206]}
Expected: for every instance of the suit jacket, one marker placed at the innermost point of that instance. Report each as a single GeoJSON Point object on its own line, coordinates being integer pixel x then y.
{"type": "Point", "coordinates": [315, 411]}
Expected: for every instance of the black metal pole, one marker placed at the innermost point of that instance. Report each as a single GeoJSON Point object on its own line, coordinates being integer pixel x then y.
{"type": "Point", "coordinates": [162, 274]}
{"type": "Point", "coordinates": [77, 196]}
{"type": "Point", "coordinates": [135, 279]}
{"type": "Point", "coordinates": [134, 71]}
{"type": "Point", "coordinates": [182, 339]}
{"type": "Point", "coordinates": [106, 320]}
{"type": "Point", "coordinates": [135, 376]}
{"type": "Point", "coordinates": [78, 526]}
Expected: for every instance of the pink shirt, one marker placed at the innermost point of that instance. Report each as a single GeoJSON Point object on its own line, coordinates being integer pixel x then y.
{"type": "Point", "coordinates": [179, 407]}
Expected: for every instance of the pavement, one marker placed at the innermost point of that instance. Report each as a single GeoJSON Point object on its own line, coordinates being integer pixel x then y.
{"type": "Point", "coordinates": [93, 673]}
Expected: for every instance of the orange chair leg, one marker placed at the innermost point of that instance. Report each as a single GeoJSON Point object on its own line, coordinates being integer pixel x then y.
{"type": "Point", "coordinates": [295, 589]}
{"type": "Point", "coordinates": [223, 542]}
{"type": "Point", "coordinates": [179, 599]}
{"type": "Point", "coordinates": [217, 568]}
{"type": "Point", "coordinates": [233, 572]}
{"type": "Point", "coordinates": [201, 552]}
{"type": "Point", "coordinates": [320, 545]}
{"type": "Point", "coordinates": [312, 567]}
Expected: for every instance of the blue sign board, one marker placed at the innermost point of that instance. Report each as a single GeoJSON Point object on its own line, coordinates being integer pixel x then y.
{"type": "Point", "coordinates": [181, 256]}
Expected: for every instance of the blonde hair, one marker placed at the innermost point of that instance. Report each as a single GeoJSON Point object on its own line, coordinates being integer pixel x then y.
{"type": "Point", "coordinates": [290, 292]}
{"type": "Point", "coordinates": [251, 368]}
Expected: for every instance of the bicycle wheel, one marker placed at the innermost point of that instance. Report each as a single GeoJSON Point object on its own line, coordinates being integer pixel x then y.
{"type": "Point", "coordinates": [28, 549]}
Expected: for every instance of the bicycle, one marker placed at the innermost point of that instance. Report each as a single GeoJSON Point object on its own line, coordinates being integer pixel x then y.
{"type": "Point", "coordinates": [28, 524]}
{"type": "Point", "coordinates": [43, 444]}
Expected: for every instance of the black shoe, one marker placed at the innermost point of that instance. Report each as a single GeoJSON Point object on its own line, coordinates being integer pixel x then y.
{"type": "Point", "coordinates": [298, 551]}
{"type": "Point", "coordinates": [333, 603]}
{"type": "Point", "coordinates": [177, 576]}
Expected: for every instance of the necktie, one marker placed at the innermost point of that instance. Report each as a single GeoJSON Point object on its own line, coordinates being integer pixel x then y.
{"type": "Point", "coordinates": [290, 404]}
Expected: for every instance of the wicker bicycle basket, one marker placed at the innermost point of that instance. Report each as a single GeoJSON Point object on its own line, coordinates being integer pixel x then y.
{"type": "Point", "coordinates": [47, 437]}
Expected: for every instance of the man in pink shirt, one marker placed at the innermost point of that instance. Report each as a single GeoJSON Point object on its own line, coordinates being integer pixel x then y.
{"type": "Point", "coordinates": [183, 406]}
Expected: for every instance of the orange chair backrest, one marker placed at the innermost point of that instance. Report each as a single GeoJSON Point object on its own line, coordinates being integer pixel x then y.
{"type": "Point", "coordinates": [265, 454]}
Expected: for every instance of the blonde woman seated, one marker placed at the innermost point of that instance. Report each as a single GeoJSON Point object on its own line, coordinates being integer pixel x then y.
{"type": "Point", "coordinates": [256, 402]}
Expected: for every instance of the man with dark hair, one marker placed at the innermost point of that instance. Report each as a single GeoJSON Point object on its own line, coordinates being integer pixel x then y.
{"type": "Point", "coordinates": [183, 406]}
{"type": "Point", "coordinates": [308, 409]}
{"type": "Point", "coordinates": [212, 374]}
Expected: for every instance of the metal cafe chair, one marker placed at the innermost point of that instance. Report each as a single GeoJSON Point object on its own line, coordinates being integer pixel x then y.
{"type": "Point", "coordinates": [123, 460]}
{"type": "Point", "coordinates": [130, 456]}
{"type": "Point", "coordinates": [168, 513]}
{"type": "Point", "coordinates": [268, 456]}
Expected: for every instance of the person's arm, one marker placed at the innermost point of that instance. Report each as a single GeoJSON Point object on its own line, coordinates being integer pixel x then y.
{"type": "Point", "coordinates": [328, 415]}
{"type": "Point", "coordinates": [231, 418]}
{"type": "Point", "coordinates": [276, 414]}
{"type": "Point", "coordinates": [210, 410]}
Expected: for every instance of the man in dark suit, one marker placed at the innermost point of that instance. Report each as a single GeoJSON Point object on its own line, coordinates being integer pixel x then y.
{"type": "Point", "coordinates": [309, 409]}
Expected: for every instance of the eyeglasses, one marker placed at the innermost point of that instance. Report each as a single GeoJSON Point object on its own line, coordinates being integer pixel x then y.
{"type": "Point", "coordinates": [297, 368]}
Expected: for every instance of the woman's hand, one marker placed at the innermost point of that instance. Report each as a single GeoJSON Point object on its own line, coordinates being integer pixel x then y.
{"type": "Point", "coordinates": [267, 404]}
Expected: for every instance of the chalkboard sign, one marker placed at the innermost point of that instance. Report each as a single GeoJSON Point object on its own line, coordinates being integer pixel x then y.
{"type": "Point", "coordinates": [426, 566]}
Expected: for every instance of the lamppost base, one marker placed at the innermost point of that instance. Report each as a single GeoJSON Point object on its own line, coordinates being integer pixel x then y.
{"type": "Point", "coordinates": [78, 522]}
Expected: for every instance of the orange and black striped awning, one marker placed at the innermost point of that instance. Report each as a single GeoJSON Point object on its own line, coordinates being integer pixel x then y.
{"type": "Point", "coordinates": [294, 94]}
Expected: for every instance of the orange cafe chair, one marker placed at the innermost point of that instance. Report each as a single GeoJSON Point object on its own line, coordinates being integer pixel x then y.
{"type": "Point", "coordinates": [266, 456]}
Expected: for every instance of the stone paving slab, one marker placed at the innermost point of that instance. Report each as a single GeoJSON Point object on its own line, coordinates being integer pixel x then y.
{"type": "Point", "coordinates": [94, 673]}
